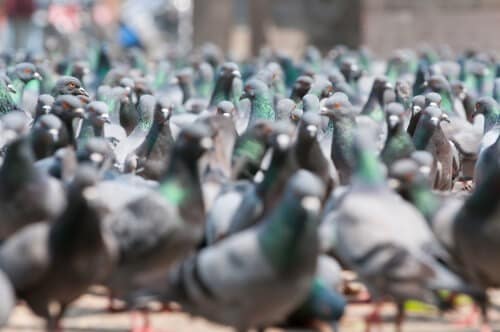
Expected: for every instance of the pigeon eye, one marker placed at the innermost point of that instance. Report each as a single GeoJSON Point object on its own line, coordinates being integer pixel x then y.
{"type": "Point", "coordinates": [27, 71]}
{"type": "Point", "coordinates": [71, 85]}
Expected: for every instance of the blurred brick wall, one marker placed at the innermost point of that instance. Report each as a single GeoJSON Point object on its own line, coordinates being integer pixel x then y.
{"type": "Point", "coordinates": [390, 24]}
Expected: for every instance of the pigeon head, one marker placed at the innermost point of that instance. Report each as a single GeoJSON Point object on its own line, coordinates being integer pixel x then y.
{"type": "Point", "coordinates": [97, 152]}
{"type": "Point", "coordinates": [194, 140]}
{"type": "Point", "coordinates": [302, 84]}
{"type": "Point", "coordinates": [226, 108]}
{"type": "Point", "coordinates": [141, 86]}
{"type": "Point", "coordinates": [97, 113]}
{"type": "Point", "coordinates": [424, 160]}
{"type": "Point", "coordinates": [163, 111]}
{"type": "Point", "coordinates": [229, 70]}
{"type": "Point", "coordinates": [459, 89]}
{"type": "Point", "coordinates": [310, 103]}
{"type": "Point", "coordinates": [433, 99]}
{"type": "Point", "coordinates": [26, 72]}
{"type": "Point", "coordinates": [15, 124]}
{"type": "Point", "coordinates": [337, 107]}
{"type": "Point", "coordinates": [437, 83]}
{"type": "Point", "coordinates": [128, 85]}
{"type": "Point", "coordinates": [80, 69]}
{"type": "Point", "coordinates": [350, 69]}
{"type": "Point", "coordinates": [284, 109]}
{"type": "Point", "coordinates": [185, 76]}
{"type": "Point", "coordinates": [402, 175]}
{"type": "Point", "coordinates": [381, 86]}
{"type": "Point", "coordinates": [394, 115]}
{"type": "Point", "coordinates": [417, 104]}
{"type": "Point", "coordinates": [309, 126]}
{"type": "Point", "coordinates": [49, 128]}
{"type": "Point", "coordinates": [308, 188]}
{"type": "Point", "coordinates": [68, 107]}
{"type": "Point", "coordinates": [321, 87]}
{"type": "Point", "coordinates": [486, 106]}
{"type": "Point", "coordinates": [44, 104]}
{"type": "Point", "coordinates": [69, 85]}
{"type": "Point", "coordinates": [254, 88]}
{"type": "Point", "coordinates": [281, 137]}
{"type": "Point", "coordinates": [296, 115]}
{"type": "Point", "coordinates": [435, 115]}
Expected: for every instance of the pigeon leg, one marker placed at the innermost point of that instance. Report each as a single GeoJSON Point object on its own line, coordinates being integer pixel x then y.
{"type": "Point", "coordinates": [141, 322]}
{"type": "Point", "coordinates": [400, 316]}
{"type": "Point", "coordinates": [374, 317]}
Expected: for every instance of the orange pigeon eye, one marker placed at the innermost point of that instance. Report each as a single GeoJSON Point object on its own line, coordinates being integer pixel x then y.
{"type": "Point", "coordinates": [27, 71]}
{"type": "Point", "coordinates": [71, 85]}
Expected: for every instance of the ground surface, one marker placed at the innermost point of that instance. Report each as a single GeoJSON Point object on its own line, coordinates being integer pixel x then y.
{"type": "Point", "coordinates": [88, 315]}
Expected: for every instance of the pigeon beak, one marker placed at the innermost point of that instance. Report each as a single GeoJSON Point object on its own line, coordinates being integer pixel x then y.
{"type": "Point", "coordinates": [105, 118]}
{"type": "Point", "coordinates": [54, 134]}
{"type": "Point", "coordinates": [96, 157]}
{"type": "Point", "coordinates": [79, 113]}
{"type": "Point", "coordinates": [37, 76]}
{"type": "Point", "coordinates": [174, 81]}
{"type": "Point", "coordinates": [394, 184]}
{"type": "Point", "coordinates": [128, 90]}
{"type": "Point", "coordinates": [393, 121]}
{"type": "Point", "coordinates": [324, 111]}
{"type": "Point", "coordinates": [311, 203]}
{"type": "Point", "coordinates": [46, 108]}
{"type": "Point", "coordinates": [236, 73]}
{"type": "Point", "coordinates": [435, 120]}
{"type": "Point", "coordinates": [416, 109]}
{"type": "Point", "coordinates": [11, 88]}
{"type": "Point", "coordinates": [425, 170]}
{"type": "Point", "coordinates": [206, 143]}
{"type": "Point", "coordinates": [227, 115]}
{"type": "Point", "coordinates": [165, 112]}
{"type": "Point", "coordinates": [312, 130]}
{"type": "Point", "coordinates": [84, 92]}
{"type": "Point", "coordinates": [283, 141]}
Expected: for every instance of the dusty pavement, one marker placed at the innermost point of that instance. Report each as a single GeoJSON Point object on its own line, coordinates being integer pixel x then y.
{"type": "Point", "coordinates": [88, 315]}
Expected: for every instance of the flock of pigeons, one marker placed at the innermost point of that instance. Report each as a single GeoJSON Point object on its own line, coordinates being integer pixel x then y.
{"type": "Point", "coordinates": [240, 192]}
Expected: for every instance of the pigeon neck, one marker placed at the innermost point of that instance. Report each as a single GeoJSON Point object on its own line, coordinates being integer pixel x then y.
{"type": "Point", "coordinates": [18, 167]}
{"type": "Point", "coordinates": [367, 169]}
{"type": "Point", "coordinates": [423, 134]}
{"type": "Point", "coordinates": [19, 86]}
{"type": "Point", "coordinates": [77, 230]}
{"type": "Point", "coordinates": [6, 101]}
{"type": "Point", "coordinates": [424, 199]}
{"type": "Point", "coordinates": [247, 156]}
{"type": "Point", "coordinates": [342, 138]}
{"type": "Point", "coordinates": [158, 131]}
{"type": "Point", "coordinates": [278, 162]}
{"type": "Point", "coordinates": [182, 188]}
{"type": "Point", "coordinates": [446, 102]}
{"type": "Point", "coordinates": [261, 108]}
{"type": "Point", "coordinates": [187, 91]}
{"type": "Point", "coordinates": [87, 130]}
{"type": "Point", "coordinates": [289, 237]}
{"type": "Point", "coordinates": [145, 124]}
{"type": "Point", "coordinates": [329, 128]}
{"type": "Point", "coordinates": [491, 118]}
{"type": "Point", "coordinates": [222, 90]}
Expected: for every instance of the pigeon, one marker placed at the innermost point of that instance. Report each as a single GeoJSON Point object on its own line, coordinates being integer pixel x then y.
{"type": "Point", "coordinates": [21, 75]}
{"type": "Point", "coordinates": [61, 260]}
{"type": "Point", "coordinates": [27, 195]}
{"type": "Point", "coordinates": [261, 103]}
{"type": "Point", "coordinates": [228, 84]}
{"type": "Point", "coordinates": [68, 85]}
{"type": "Point", "coordinates": [68, 108]}
{"type": "Point", "coordinates": [96, 116]}
{"type": "Point", "coordinates": [45, 136]}
{"type": "Point", "coordinates": [342, 126]}
{"type": "Point", "coordinates": [246, 280]}
{"type": "Point", "coordinates": [398, 144]}
{"type": "Point", "coordinates": [154, 229]}
{"type": "Point", "coordinates": [399, 260]}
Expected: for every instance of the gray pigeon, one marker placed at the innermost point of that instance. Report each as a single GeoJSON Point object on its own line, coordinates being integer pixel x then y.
{"type": "Point", "coordinates": [257, 277]}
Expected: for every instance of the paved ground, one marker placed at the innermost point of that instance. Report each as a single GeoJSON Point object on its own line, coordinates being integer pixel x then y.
{"type": "Point", "coordinates": [88, 315]}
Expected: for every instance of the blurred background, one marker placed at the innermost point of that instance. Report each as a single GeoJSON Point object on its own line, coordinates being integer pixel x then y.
{"type": "Point", "coordinates": [242, 27]}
